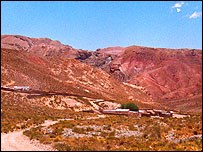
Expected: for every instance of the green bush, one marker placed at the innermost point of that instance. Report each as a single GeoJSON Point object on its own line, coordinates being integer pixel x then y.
{"type": "Point", "coordinates": [123, 106]}
{"type": "Point", "coordinates": [130, 106]}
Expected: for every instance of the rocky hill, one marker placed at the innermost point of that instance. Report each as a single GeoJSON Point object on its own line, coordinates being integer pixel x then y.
{"type": "Point", "coordinates": [24, 68]}
{"type": "Point", "coordinates": [166, 73]}
{"type": "Point", "coordinates": [172, 77]}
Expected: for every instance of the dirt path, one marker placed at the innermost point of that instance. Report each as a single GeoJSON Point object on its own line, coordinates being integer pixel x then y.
{"type": "Point", "coordinates": [16, 141]}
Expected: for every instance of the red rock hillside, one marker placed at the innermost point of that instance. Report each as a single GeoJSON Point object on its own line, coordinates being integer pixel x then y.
{"type": "Point", "coordinates": [164, 72]}
{"type": "Point", "coordinates": [172, 77]}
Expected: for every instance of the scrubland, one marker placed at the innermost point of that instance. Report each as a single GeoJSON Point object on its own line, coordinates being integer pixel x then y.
{"type": "Point", "coordinates": [113, 132]}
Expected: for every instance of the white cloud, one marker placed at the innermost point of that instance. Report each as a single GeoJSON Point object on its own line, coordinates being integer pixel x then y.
{"type": "Point", "coordinates": [178, 5]}
{"type": "Point", "coordinates": [178, 10]}
{"type": "Point", "coordinates": [195, 15]}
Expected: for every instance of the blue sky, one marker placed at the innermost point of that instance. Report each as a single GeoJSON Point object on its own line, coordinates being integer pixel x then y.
{"type": "Point", "coordinates": [90, 25]}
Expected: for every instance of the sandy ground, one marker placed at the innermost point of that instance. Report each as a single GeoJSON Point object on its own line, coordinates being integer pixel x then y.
{"type": "Point", "coordinates": [16, 141]}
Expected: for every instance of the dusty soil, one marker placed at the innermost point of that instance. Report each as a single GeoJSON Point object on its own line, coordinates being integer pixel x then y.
{"type": "Point", "coordinates": [16, 141]}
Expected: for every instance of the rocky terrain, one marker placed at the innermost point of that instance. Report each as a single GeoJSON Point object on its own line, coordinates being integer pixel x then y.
{"type": "Point", "coordinates": [51, 73]}
{"type": "Point", "coordinates": [165, 73]}
{"type": "Point", "coordinates": [150, 76]}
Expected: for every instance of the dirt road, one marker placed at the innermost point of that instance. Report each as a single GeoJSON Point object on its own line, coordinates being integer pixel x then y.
{"type": "Point", "coordinates": [16, 141]}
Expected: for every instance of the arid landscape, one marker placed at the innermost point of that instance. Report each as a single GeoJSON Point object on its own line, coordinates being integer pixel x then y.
{"type": "Point", "coordinates": [101, 76]}
{"type": "Point", "coordinates": [146, 74]}
{"type": "Point", "coordinates": [66, 90]}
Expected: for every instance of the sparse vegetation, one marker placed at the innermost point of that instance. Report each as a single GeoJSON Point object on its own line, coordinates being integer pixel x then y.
{"type": "Point", "coordinates": [62, 147]}
{"type": "Point", "coordinates": [153, 134]}
{"type": "Point", "coordinates": [29, 114]}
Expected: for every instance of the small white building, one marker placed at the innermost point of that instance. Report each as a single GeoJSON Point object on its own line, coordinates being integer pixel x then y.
{"type": "Point", "coordinates": [99, 100]}
{"type": "Point", "coordinates": [122, 109]}
{"type": "Point", "coordinates": [116, 111]}
{"type": "Point", "coordinates": [142, 111]}
{"type": "Point", "coordinates": [21, 87]}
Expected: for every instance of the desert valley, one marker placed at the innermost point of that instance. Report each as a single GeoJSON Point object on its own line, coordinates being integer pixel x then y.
{"type": "Point", "coordinates": [70, 99]}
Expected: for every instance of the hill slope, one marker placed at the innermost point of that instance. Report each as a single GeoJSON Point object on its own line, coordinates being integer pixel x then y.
{"type": "Point", "coordinates": [65, 75]}
{"type": "Point", "coordinates": [168, 75]}
{"type": "Point", "coordinates": [172, 77]}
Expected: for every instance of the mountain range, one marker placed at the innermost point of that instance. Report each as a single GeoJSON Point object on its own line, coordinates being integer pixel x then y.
{"type": "Point", "coordinates": [149, 77]}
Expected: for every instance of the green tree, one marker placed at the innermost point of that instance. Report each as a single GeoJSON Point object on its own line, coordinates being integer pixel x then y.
{"type": "Point", "coordinates": [130, 106]}
{"type": "Point", "coordinates": [122, 106]}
